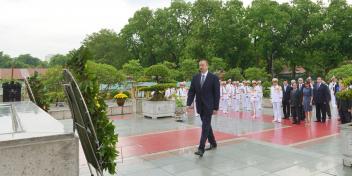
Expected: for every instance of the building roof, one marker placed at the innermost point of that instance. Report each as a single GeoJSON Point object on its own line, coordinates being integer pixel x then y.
{"type": "Point", "coordinates": [20, 73]}
{"type": "Point", "coordinates": [287, 70]}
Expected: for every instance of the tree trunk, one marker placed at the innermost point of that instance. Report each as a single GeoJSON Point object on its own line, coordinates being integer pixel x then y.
{"type": "Point", "coordinates": [293, 71]}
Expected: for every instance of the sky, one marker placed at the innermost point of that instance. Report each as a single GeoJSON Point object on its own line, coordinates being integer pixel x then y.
{"type": "Point", "coordinates": [46, 27]}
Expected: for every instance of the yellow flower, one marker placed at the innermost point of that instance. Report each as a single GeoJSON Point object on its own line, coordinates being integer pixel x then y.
{"type": "Point", "coordinates": [97, 105]}
{"type": "Point", "coordinates": [120, 96]}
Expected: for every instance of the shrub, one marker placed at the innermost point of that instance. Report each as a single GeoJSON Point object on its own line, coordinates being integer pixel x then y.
{"type": "Point", "coordinates": [158, 72]}
{"type": "Point", "coordinates": [341, 72]}
{"type": "Point", "coordinates": [266, 84]}
{"type": "Point", "coordinates": [347, 93]}
{"type": "Point", "coordinates": [39, 92]}
{"type": "Point", "coordinates": [128, 93]}
{"type": "Point", "coordinates": [266, 93]}
{"type": "Point", "coordinates": [159, 90]}
{"type": "Point", "coordinates": [254, 73]}
{"type": "Point", "coordinates": [234, 74]}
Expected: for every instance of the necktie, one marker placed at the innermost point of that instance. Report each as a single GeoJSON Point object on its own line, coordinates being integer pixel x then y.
{"type": "Point", "coordinates": [202, 81]}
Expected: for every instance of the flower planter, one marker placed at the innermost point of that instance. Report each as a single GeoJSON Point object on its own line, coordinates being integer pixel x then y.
{"type": "Point", "coordinates": [120, 102]}
{"type": "Point", "coordinates": [157, 109]}
{"type": "Point", "coordinates": [179, 113]}
{"type": "Point", "coordinates": [346, 132]}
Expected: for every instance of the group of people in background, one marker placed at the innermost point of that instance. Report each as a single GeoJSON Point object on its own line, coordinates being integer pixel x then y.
{"type": "Point", "coordinates": [298, 98]}
{"type": "Point", "coordinates": [294, 99]}
{"type": "Point", "coordinates": [234, 95]}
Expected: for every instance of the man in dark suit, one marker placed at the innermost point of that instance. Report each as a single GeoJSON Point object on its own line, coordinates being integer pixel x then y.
{"type": "Point", "coordinates": [286, 90]}
{"type": "Point", "coordinates": [320, 99]}
{"type": "Point", "coordinates": [206, 87]}
{"type": "Point", "coordinates": [295, 102]}
{"type": "Point", "coordinates": [300, 86]}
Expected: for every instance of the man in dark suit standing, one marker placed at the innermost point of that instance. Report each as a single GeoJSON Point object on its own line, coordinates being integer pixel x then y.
{"type": "Point", "coordinates": [300, 86]}
{"type": "Point", "coordinates": [206, 87]}
{"type": "Point", "coordinates": [320, 99]}
{"type": "Point", "coordinates": [286, 90]}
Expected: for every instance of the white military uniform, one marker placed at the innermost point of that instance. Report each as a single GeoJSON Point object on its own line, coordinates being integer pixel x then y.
{"type": "Point", "coordinates": [242, 90]}
{"type": "Point", "coordinates": [168, 93]}
{"type": "Point", "coordinates": [236, 98]}
{"type": "Point", "coordinates": [259, 91]}
{"type": "Point", "coordinates": [332, 93]}
{"type": "Point", "coordinates": [224, 94]}
{"type": "Point", "coordinates": [276, 99]}
{"type": "Point", "coordinates": [229, 88]}
{"type": "Point", "coordinates": [255, 97]}
{"type": "Point", "coordinates": [182, 94]}
{"type": "Point", "coordinates": [248, 90]}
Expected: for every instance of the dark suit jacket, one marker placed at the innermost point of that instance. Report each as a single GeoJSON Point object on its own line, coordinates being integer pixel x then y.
{"type": "Point", "coordinates": [207, 96]}
{"type": "Point", "coordinates": [321, 94]}
{"type": "Point", "coordinates": [295, 98]}
{"type": "Point", "coordinates": [286, 94]}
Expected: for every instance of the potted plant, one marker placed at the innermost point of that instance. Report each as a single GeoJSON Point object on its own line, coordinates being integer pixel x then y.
{"type": "Point", "coordinates": [347, 93]}
{"type": "Point", "coordinates": [180, 109]}
{"type": "Point", "coordinates": [120, 100]}
{"type": "Point", "coordinates": [158, 106]}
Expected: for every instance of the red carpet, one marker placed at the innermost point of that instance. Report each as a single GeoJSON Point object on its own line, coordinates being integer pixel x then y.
{"type": "Point", "coordinates": [283, 134]}
{"type": "Point", "coordinates": [164, 141]}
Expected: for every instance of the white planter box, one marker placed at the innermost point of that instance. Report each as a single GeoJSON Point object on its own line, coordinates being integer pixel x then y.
{"type": "Point", "coordinates": [139, 105]}
{"type": "Point", "coordinates": [61, 114]}
{"type": "Point", "coordinates": [346, 131]}
{"type": "Point", "coordinates": [117, 110]}
{"type": "Point", "coordinates": [156, 109]}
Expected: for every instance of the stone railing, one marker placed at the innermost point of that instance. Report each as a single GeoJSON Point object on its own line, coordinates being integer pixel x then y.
{"type": "Point", "coordinates": [61, 113]}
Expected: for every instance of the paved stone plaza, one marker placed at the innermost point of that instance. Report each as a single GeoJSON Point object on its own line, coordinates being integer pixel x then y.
{"type": "Point", "coordinates": [246, 147]}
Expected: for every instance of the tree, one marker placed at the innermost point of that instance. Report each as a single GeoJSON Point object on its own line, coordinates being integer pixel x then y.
{"type": "Point", "coordinates": [53, 80]}
{"type": "Point", "coordinates": [298, 48]}
{"type": "Point", "coordinates": [234, 74]}
{"type": "Point", "coordinates": [330, 41]}
{"type": "Point", "coordinates": [231, 41]}
{"type": "Point", "coordinates": [133, 69]}
{"type": "Point", "coordinates": [39, 91]}
{"type": "Point", "coordinates": [175, 74]}
{"type": "Point", "coordinates": [58, 60]}
{"type": "Point", "coordinates": [138, 36]}
{"type": "Point", "coordinates": [217, 64]}
{"type": "Point", "coordinates": [188, 68]}
{"type": "Point", "coordinates": [254, 73]}
{"type": "Point", "coordinates": [5, 60]}
{"type": "Point", "coordinates": [340, 72]}
{"type": "Point", "coordinates": [107, 47]}
{"type": "Point", "coordinates": [269, 23]}
{"type": "Point", "coordinates": [204, 18]}
{"type": "Point", "coordinates": [104, 73]}
{"type": "Point", "coordinates": [29, 60]}
{"type": "Point", "coordinates": [158, 72]}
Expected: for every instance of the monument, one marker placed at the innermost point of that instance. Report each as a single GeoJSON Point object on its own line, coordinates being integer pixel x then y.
{"type": "Point", "coordinates": [33, 143]}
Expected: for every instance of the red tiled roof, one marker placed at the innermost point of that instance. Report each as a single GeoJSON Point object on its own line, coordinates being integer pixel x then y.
{"type": "Point", "coordinates": [20, 73]}
{"type": "Point", "coordinates": [287, 70]}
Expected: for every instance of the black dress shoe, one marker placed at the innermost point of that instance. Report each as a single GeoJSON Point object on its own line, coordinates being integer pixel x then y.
{"type": "Point", "coordinates": [317, 121]}
{"type": "Point", "coordinates": [211, 147]}
{"type": "Point", "coordinates": [294, 123]}
{"type": "Point", "coordinates": [199, 152]}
